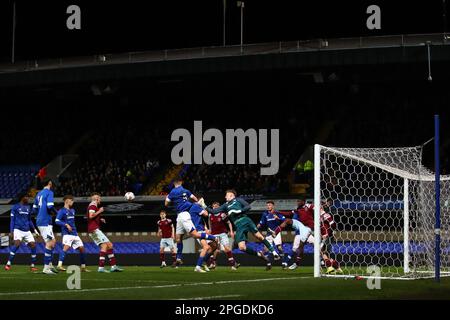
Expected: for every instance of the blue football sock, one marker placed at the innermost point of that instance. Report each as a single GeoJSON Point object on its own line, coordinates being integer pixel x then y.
{"type": "Point", "coordinates": [207, 236]}
{"type": "Point", "coordinates": [48, 256]}
{"type": "Point", "coordinates": [286, 258]}
{"type": "Point", "coordinates": [200, 261]}
{"type": "Point", "coordinates": [179, 250]}
{"type": "Point", "coordinates": [12, 253]}
{"type": "Point", "coordinates": [33, 256]}
{"type": "Point", "coordinates": [83, 258]}
{"type": "Point", "coordinates": [62, 256]}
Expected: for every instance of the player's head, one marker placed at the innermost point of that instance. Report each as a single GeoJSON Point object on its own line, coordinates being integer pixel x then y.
{"type": "Point", "coordinates": [68, 201]}
{"type": "Point", "coordinates": [230, 194]}
{"type": "Point", "coordinates": [23, 198]}
{"type": "Point", "coordinates": [96, 197]}
{"type": "Point", "coordinates": [301, 201]}
{"type": "Point", "coordinates": [270, 205]}
{"type": "Point", "coordinates": [329, 202]}
{"type": "Point", "coordinates": [215, 205]}
{"type": "Point", "coordinates": [162, 214]}
{"type": "Point", "coordinates": [177, 182]}
{"type": "Point", "coordinates": [48, 183]}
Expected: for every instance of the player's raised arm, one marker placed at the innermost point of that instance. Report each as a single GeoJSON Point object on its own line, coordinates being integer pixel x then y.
{"type": "Point", "coordinates": [245, 205]}
{"type": "Point", "coordinates": [222, 208]}
{"type": "Point", "coordinates": [93, 213]}
{"type": "Point", "coordinates": [193, 198]}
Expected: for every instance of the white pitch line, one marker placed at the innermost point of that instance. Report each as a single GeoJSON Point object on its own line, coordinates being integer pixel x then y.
{"type": "Point", "coordinates": [86, 280]}
{"type": "Point", "coordinates": [189, 284]}
{"type": "Point", "coordinates": [212, 297]}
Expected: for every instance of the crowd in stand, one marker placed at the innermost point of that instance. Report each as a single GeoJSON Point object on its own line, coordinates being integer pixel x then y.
{"type": "Point", "coordinates": [114, 161]}
{"type": "Point", "coordinates": [111, 178]}
{"type": "Point", "coordinates": [245, 178]}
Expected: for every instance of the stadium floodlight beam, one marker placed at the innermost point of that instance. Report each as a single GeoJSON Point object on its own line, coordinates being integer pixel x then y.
{"type": "Point", "coordinates": [241, 5]}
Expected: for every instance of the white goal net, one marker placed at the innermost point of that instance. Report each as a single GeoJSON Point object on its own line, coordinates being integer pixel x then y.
{"type": "Point", "coordinates": [383, 203]}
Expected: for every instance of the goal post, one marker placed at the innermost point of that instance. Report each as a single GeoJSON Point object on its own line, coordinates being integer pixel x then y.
{"type": "Point", "coordinates": [383, 201]}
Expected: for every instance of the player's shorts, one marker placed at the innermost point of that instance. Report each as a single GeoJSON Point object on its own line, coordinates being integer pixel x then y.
{"type": "Point", "coordinates": [47, 233]}
{"type": "Point", "coordinates": [303, 232]}
{"type": "Point", "coordinates": [224, 241]}
{"type": "Point", "coordinates": [23, 236]}
{"type": "Point", "coordinates": [276, 241]}
{"type": "Point", "coordinates": [72, 241]}
{"type": "Point", "coordinates": [167, 243]}
{"type": "Point", "coordinates": [98, 237]}
{"type": "Point", "coordinates": [184, 223]}
{"type": "Point", "coordinates": [243, 226]}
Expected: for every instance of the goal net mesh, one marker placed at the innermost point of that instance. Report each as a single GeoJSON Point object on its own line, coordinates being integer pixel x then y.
{"type": "Point", "coordinates": [383, 203]}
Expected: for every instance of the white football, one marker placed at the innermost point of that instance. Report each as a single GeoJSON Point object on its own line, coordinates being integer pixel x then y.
{"type": "Point", "coordinates": [129, 196]}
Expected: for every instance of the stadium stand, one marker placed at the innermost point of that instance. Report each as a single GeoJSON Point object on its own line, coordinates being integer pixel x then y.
{"type": "Point", "coordinates": [16, 179]}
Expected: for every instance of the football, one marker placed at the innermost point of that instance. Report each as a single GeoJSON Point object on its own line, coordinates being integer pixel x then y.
{"type": "Point", "coordinates": [129, 196]}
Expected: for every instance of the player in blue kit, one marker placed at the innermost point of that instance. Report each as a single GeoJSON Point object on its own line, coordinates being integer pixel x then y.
{"type": "Point", "coordinates": [66, 220]}
{"type": "Point", "coordinates": [44, 206]}
{"type": "Point", "coordinates": [189, 215]}
{"type": "Point", "coordinates": [20, 228]}
{"type": "Point", "coordinates": [271, 219]}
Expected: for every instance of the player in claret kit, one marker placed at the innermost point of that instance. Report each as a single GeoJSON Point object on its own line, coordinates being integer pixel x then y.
{"type": "Point", "coordinates": [272, 219]}
{"type": "Point", "coordinates": [20, 228]}
{"type": "Point", "coordinates": [66, 220]}
{"type": "Point", "coordinates": [94, 220]}
{"type": "Point", "coordinates": [167, 234]}
{"type": "Point", "coordinates": [219, 227]}
{"type": "Point", "coordinates": [327, 227]}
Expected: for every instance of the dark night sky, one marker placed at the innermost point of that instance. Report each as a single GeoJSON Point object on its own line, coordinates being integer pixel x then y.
{"type": "Point", "coordinates": [132, 25]}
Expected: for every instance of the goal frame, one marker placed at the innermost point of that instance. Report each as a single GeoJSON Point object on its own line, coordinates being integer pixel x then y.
{"type": "Point", "coordinates": [406, 221]}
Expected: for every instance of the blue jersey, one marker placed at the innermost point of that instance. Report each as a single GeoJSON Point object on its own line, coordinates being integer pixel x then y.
{"type": "Point", "coordinates": [21, 218]}
{"type": "Point", "coordinates": [271, 220]}
{"type": "Point", "coordinates": [43, 203]}
{"type": "Point", "coordinates": [66, 216]}
{"type": "Point", "coordinates": [180, 197]}
{"type": "Point", "coordinates": [196, 217]}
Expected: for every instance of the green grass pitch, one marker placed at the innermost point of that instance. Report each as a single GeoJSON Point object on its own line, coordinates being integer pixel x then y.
{"type": "Point", "coordinates": [183, 283]}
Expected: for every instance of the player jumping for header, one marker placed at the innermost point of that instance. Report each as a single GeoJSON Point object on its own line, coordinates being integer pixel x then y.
{"type": "Point", "coordinates": [236, 209]}
{"type": "Point", "coordinates": [181, 199]}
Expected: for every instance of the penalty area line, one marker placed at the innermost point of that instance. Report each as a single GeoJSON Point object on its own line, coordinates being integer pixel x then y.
{"type": "Point", "coordinates": [178, 285]}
